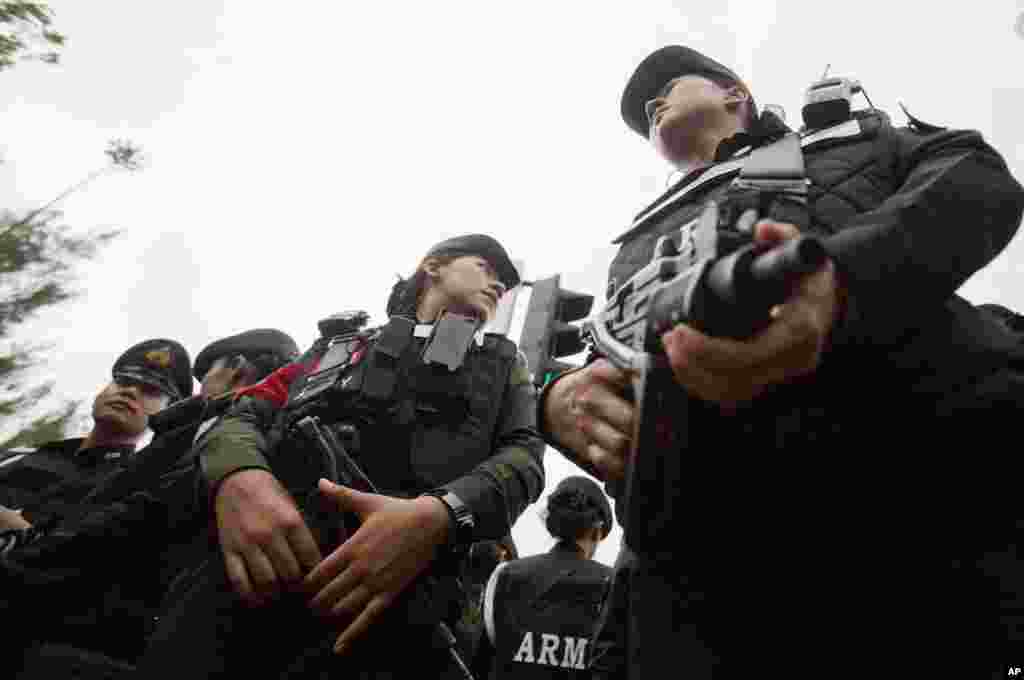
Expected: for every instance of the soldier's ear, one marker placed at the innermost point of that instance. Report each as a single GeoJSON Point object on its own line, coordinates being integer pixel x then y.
{"type": "Point", "coordinates": [735, 95]}
{"type": "Point", "coordinates": [432, 267]}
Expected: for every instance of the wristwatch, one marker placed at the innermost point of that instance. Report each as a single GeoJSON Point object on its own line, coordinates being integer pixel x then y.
{"type": "Point", "coordinates": [463, 525]}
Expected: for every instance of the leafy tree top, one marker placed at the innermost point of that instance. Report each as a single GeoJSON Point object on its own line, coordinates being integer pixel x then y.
{"type": "Point", "coordinates": [26, 33]}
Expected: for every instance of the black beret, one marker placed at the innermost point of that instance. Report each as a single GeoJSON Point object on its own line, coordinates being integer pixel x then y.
{"type": "Point", "coordinates": [592, 491]}
{"type": "Point", "coordinates": [656, 71]}
{"type": "Point", "coordinates": [484, 246]}
{"type": "Point", "coordinates": [249, 344]}
{"type": "Point", "coordinates": [162, 363]}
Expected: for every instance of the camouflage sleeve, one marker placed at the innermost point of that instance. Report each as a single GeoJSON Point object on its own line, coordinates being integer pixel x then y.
{"type": "Point", "coordinates": [499, 490]}
{"type": "Point", "coordinates": [238, 442]}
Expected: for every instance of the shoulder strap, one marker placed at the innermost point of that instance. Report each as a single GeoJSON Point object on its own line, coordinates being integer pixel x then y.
{"type": "Point", "coordinates": [504, 347]}
{"type": "Point", "coordinates": [777, 167]}
{"type": "Point", "coordinates": [774, 182]}
{"type": "Point", "coordinates": [772, 166]}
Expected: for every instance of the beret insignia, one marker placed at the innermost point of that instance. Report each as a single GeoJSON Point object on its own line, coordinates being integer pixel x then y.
{"type": "Point", "coordinates": [158, 358]}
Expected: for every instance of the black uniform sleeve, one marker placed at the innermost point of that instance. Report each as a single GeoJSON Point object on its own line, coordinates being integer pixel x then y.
{"type": "Point", "coordinates": [956, 209]}
{"type": "Point", "coordinates": [499, 490]}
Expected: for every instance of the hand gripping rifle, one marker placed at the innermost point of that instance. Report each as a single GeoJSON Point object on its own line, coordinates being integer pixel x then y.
{"type": "Point", "coordinates": [339, 467]}
{"type": "Point", "coordinates": [712, 277]}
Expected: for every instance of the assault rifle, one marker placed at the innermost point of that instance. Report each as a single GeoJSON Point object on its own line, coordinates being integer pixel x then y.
{"type": "Point", "coordinates": [712, 276]}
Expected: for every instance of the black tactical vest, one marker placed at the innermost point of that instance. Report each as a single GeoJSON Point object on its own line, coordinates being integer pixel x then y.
{"type": "Point", "coordinates": [541, 611]}
{"type": "Point", "coordinates": [436, 425]}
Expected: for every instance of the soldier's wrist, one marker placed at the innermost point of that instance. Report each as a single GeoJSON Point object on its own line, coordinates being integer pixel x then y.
{"type": "Point", "coordinates": [233, 477]}
{"type": "Point", "coordinates": [439, 522]}
{"type": "Point", "coordinates": [461, 524]}
{"type": "Point", "coordinates": [554, 405]}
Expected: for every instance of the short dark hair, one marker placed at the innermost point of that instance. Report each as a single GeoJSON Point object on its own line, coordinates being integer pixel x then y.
{"type": "Point", "coordinates": [571, 513]}
{"type": "Point", "coordinates": [407, 293]}
{"type": "Point", "coordinates": [266, 363]}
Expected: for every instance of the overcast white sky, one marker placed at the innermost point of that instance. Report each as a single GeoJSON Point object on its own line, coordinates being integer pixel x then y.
{"type": "Point", "coordinates": [301, 157]}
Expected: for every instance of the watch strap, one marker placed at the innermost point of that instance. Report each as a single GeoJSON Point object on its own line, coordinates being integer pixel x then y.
{"type": "Point", "coordinates": [463, 524]}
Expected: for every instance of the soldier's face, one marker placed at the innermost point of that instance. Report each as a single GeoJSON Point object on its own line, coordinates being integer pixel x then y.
{"type": "Point", "coordinates": [469, 285]}
{"type": "Point", "coordinates": [126, 405]}
{"type": "Point", "coordinates": [684, 109]}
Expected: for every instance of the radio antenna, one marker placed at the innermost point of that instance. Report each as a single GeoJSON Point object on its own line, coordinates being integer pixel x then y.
{"type": "Point", "coordinates": [827, 67]}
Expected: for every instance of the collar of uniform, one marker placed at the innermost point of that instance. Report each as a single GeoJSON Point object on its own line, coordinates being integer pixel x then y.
{"type": "Point", "coordinates": [697, 177]}
{"type": "Point", "coordinates": [570, 547]}
{"type": "Point", "coordinates": [767, 128]}
{"type": "Point", "coordinates": [95, 454]}
{"type": "Point", "coordinates": [68, 446]}
{"type": "Point", "coordinates": [733, 146]}
{"type": "Point", "coordinates": [423, 330]}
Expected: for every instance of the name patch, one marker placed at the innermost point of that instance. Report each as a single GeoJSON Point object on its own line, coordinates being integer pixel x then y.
{"type": "Point", "coordinates": [555, 650]}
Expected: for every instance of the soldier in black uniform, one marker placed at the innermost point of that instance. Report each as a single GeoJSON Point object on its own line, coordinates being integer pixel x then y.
{"type": "Point", "coordinates": [442, 422]}
{"type": "Point", "coordinates": [223, 368]}
{"type": "Point", "coordinates": [144, 513]}
{"type": "Point", "coordinates": [481, 561]}
{"type": "Point", "coordinates": [821, 537]}
{"type": "Point", "coordinates": [38, 483]}
{"type": "Point", "coordinates": [540, 611]}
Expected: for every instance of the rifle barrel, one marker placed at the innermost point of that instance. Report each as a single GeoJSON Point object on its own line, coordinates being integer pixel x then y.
{"type": "Point", "coordinates": [797, 257]}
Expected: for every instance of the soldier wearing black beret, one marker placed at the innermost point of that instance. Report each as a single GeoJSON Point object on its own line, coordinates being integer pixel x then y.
{"type": "Point", "coordinates": [404, 295]}
{"type": "Point", "coordinates": [254, 354]}
{"type": "Point", "coordinates": [150, 507]}
{"type": "Point", "coordinates": [874, 353]}
{"type": "Point", "coordinates": [450, 443]}
{"type": "Point", "coordinates": [146, 377]}
{"type": "Point", "coordinates": [42, 487]}
{"type": "Point", "coordinates": [160, 364]}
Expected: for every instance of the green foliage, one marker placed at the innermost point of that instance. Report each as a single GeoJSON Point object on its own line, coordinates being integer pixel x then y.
{"type": "Point", "coordinates": [38, 256]}
{"type": "Point", "coordinates": [46, 428]}
{"type": "Point", "coordinates": [35, 260]}
{"type": "Point", "coordinates": [26, 33]}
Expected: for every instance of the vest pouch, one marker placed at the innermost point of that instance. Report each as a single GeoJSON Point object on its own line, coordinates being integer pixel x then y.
{"type": "Point", "coordinates": [381, 373]}
{"type": "Point", "coordinates": [440, 396]}
{"type": "Point", "coordinates": [443, 451]}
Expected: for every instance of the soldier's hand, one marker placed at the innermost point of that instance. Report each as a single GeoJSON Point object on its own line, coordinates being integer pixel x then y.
{"type": "Point", "coordinates": [12, 519]}
{"type": "Point", "coordinates": [266, 544]}
{"type": "Point", "coordinates": [729, 372]}
{"type": "Point", "coordinates": [588, 414]}
{"type": "Point", "coordinates": [396, 542]}
{"type": "Point", "coordinates": [225, 377]}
